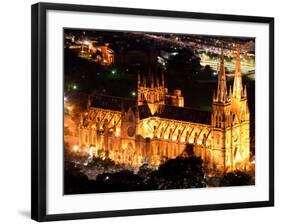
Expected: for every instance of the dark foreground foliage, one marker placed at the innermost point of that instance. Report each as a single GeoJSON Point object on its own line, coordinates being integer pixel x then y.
{"type": "Point", "coordinates": [177, 173]}
{"type": "Point", "coordinates": [237, 178]}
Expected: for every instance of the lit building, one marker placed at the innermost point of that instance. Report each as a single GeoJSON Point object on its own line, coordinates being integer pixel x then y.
{"type": "Point", "coordinates": [158, 126]}
{"type": "Point", "coordinates": [154, 94]}
{"type": "Point", "coordinates": [104, 54]}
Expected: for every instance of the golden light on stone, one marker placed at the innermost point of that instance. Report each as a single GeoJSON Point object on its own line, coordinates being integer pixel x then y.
{"type": "Point", "coordinates": [75, 148]}
{"type": "Point", "coordinates": [117, 132]}
{"type": "Point", "coordinates": [148, 132]}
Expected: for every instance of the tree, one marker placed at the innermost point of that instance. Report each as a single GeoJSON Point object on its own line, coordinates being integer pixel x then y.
{"type": "Point", "coordinates": [144, 171]}
{"type": "Point", "coordinates": [182, 66]}
{"type": "Point", "coordinates": [124, 180]}
{"type": "Point", "coordinates": [236, 178]}
{"type": "Point", "coordinates": [178, 173]}
{"type": "Point", "coordinates": [206, 73]}
{"type": "Point", "coordinates": [75, 182]}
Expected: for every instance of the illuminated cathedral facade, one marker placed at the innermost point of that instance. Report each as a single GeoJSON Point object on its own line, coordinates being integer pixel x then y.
{"type": "Point", "coordinates": [159, 126]}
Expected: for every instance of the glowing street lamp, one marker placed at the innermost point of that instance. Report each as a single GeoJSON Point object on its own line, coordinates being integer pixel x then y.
{"type": "Point", "coordinates": [74, 87]}
{"type": "Point", "coordinates": [133, 93]}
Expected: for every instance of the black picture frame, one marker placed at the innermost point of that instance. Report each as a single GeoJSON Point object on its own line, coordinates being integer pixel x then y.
{"type": "Point", "coordinates": [39, 122]}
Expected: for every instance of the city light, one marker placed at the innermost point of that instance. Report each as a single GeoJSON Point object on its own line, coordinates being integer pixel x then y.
{"type": "Point", "coordinates": [148, 121]}
{"type": "Point", "coordinates": [113, 72]}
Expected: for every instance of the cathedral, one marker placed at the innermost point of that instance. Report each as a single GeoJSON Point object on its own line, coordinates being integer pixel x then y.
{"type": "Point", "coordinates": [159, 126]}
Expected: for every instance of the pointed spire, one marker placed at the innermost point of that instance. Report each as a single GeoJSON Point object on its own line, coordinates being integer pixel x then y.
{"type": "Point", "coordinates": [144, 81]}
{"type": "Point", "coordinates": [237, 85]}
{"type": "Point", "coordinates": [157, 81]}
{"type": "Point", "coordinates": [89, 102]}
{"type": "Point", "coordinates": [139, 79]}
{"type": "Point", "coordinates": [221, 90]}
{"type": "Point", "coordinates": [245, 92]}
{"type": "Point", "coordinates": [214, 96]}
{"type": "Point", "coordinates": [163, 81]}
{"type": "Point", "coordinates": [152, 81]}
{"type": "Point", "coordinates": [230, 92]}
{"type": "Point", "coordinates": [238, 62]}
{"type": "Point", "coordinates": [137, 114]}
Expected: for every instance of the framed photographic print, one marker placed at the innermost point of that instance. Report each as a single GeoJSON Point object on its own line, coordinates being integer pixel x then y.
{"type": "Point", "coordinates": [139, 111]}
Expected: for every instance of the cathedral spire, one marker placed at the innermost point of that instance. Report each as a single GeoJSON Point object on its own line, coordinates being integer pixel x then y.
{"type": "Point", "coordinates": [152, 80]}
{"type": "Point", "coordinates": [237, 85]}
{"type": "Point", "coordinates": [245, 92]}
{"type": "Point", "coordinates": [162, 79]}
{"type": "Point", "coordinates": [230, 92]}
{"type": "Point", "coordinates": [144, 81]}
{"type": "Point", "coordinates": [214, 96]}
{"type": "Point", "coordinates": [89, 101]}
{"type": "Point", "coordinates": [139, 79]}
{"type": "Point", "coordinates": [238, 63]}
{"type": "Point", "coordinates": [157, 81]}
{"type": "Point", "coordinates": [221, 90]}
{"type": "Point", "coordinates": [137, 114]}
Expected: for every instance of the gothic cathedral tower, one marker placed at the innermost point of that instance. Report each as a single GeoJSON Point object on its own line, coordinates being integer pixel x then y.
{"type": "Point", "coordinates": [241, 121]}
{"type": "Point", "coordinates": [230, 124]}
{"type": "Point", "coordinates": [221, 125]}
{"type": "Point", "coordinates": [151, 93]}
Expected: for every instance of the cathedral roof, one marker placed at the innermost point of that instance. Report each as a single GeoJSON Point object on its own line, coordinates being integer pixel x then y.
{"type": "Point", "coordinates": [112, 102]}
{"type": "Point", "coordinates": [187, 114]}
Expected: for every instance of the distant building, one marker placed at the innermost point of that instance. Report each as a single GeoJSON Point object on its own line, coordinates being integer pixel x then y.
{"type": "Point", "coordinates": [158, 126]}
{"type": "Point", "coordinates": [103, 53]}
